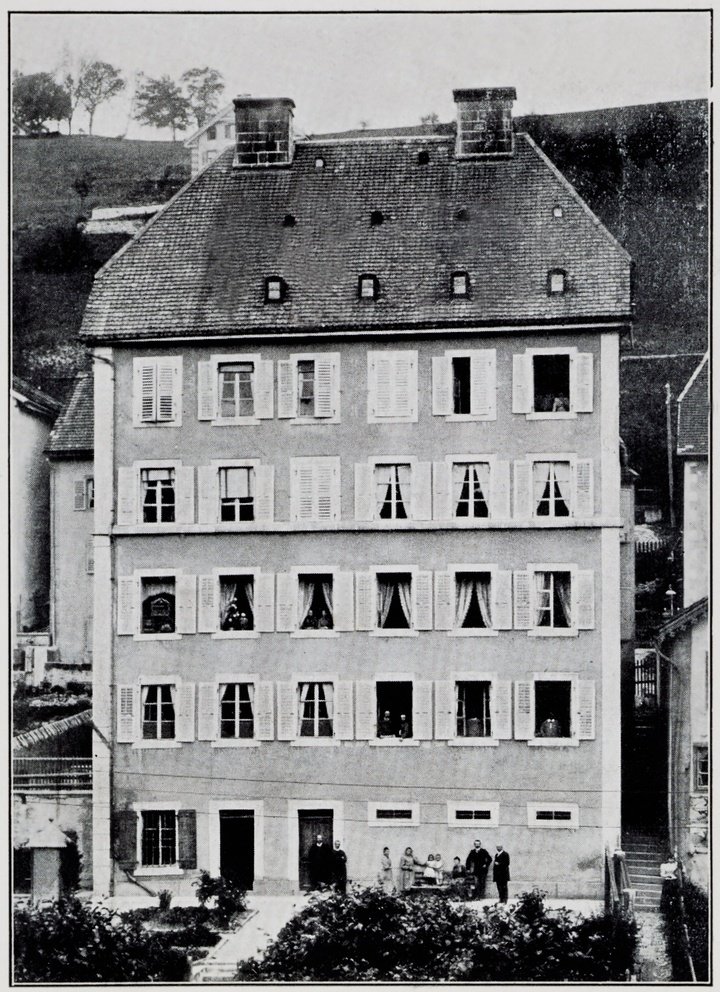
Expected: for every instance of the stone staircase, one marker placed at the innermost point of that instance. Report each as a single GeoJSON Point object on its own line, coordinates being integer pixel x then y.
{"type": "Point", "coordinates": [644, 855]}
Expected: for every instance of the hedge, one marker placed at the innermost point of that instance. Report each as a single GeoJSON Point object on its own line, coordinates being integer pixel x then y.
{"type": "Point", "coordinates": [698, 920]}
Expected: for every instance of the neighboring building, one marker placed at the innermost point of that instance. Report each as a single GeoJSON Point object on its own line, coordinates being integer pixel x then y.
{"type": "Point", "coordinates": [109, 228]}
{"type": "Point", "coordinates": [211, 139]}
{"type": "Point", "coordinates": [357, 518]}
{"type": "Point", "coordinates": [70, 452]}
{"type": "Point", "coordinates": [693, 430]}
{"type": "Point", "coordinates": [32, 414]}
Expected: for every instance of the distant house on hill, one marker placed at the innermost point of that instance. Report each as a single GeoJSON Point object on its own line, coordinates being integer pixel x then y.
{"type": "Point", "coordinates": [214, 137]}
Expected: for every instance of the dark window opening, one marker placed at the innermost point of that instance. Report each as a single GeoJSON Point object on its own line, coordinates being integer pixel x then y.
{"type": "Point", "coordinates": [461, 214]}
{"type": "Point", "coordinates": [472, 814]}
{"type": "Point", "coordinates": [274, 289]}
{"type": "Point", "coordinates": [158, 837]}
{"type": "Point", "coordinates": [702, 769]}
{"type": "Point", "coordinates": [394, 709]}
{"type": "Point", "coordinates": [316, 709]}
{"type": "Point", "coordinates": [473, 709]}
{"type": "Point", "coordinates": [211, 133]}
{"type": "Point", "coordinates": [553, 603]}
{"type": "Point", "coordinates": [158, 605]}
{"type": "Point", "coordinates": [237, 494]}
{"type": "Point", "coordinates": [558, 815]}
{"type": "Point", "coordinates": [22, 870]}
{"type": "Point", "coordinates": [552, 709]}
{"type": "Point", "coordinates": [423, 158]}
{"type": "Point", "coordinates": [90, 494]}
{"type": "Point", "coordinates": [460, 284]}
{"type": "Point", "coordinates": [316, 599]}
{"type": "Point", "coordinates": [551, 383]}
{"type": "Point", "coordinates": [394, 601]}
{"type": "Point", "coordinates": [472, 600]}
{"type": "Point", "coordinates": [236, 710]}
{"type": "Point", "coordinates": [368, 287]}
{"type": "Point", "coordinates": [306, 388]}
{"type": "Point", "coordinates": [461, 384]}
{"type": "Point", "coordinates": [236, 602]}
{"type": "Point", "coordinates": [158, 495]}
{"type": "Point", "coordinates": [289, 221]}
{"type": "Point", "coordinates": [158, 713]}
{"type": "Point", "coordinates": [393, 814]}
{"type": "Point", "coordinates": [376, 218]}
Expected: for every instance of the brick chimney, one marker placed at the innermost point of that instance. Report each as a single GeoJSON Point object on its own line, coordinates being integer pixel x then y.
{"type": "Point", "coordinates": [263, 132]}
{"type": "Point", "coordinates": [484, 122]}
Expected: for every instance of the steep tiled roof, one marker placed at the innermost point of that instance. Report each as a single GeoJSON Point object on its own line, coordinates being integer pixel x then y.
{"type": "Point", "coordinates": [34, 399]}
{"type": "Point", "coordinates": [73, 433]}
{"type": "Point", "coordinates": [199, 266]}
{"type": "Point", "coordinates": [694, 413]}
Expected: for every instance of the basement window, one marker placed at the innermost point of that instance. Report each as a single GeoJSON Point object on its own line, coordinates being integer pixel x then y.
{"type": "Point", "coordinates": [393, 814]}
{"type": "Point", "coordinates": [460, 285]}
{"type": "Point", "coordinates": [553, 815]}
{"type": "Point", "coordinates": [275, 288]}
{"type": "Point", "coordinates": [376, 218]}
{"type": "Point", "coordinates": [556, 282]}
{"type": "Point", "coordinates": [368, 287]}
{"type": "Point", "coordinates": [551, 383]}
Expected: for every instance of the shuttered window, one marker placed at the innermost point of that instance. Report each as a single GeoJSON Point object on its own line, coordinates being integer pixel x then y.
{"type": "Point", "coordinates": [309, 387]}
{"type": "Point", "coordinates": [464, 384]}
{"type": "Point", "coordinates": [157, 396]}
{"type": "Point", "coordinates": [392, 386]}
{"type": "Point", "coordinates": [548, 383]}
{"type": "Point", "coordinates": [157, 487]}
{"type": "Point", "coordinates": [555, 710]}
{"type": "Point", "coordinates": [237, 710]}
{"type": "Point", "coordinates": [235, 389]}
{"type": "Point", "coordinates": [315, 489]}
{"type": "Point", "coordinates": [158, 838]}
{"type": "Point", "coordinates": [158, 712]}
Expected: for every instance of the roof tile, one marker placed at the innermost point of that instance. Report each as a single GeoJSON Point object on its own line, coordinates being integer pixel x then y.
{"type": "Point", "coordinates": [694, 413]}
{"type": "Point", "coordinates": [73, 433]}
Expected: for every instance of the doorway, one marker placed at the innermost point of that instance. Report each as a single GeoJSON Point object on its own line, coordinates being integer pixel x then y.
{"type": "Point", "coordinates": [237, 847]}
{"type": "Point", "coordinates": [312, 822]}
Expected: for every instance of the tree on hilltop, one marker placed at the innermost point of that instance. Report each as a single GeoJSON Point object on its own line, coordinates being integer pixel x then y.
{"type": "Point", "coordinates": [99, 83]}
{"type": "Point", "coordinates": [204, 88]}
{"type": "Point", "coordinates": [161, 103]}
{"type": "Point", "coordinates": [37, 98]}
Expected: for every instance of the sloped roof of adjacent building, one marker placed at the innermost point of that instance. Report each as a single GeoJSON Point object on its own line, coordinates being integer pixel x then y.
{"type": "Point", "coordinates": [51, 729]}
{"type": "Point", "coordinates": [33, 399]}
{"type": "Point", "coordinates": [685, 618]}
{"type": "Point", "coordinates": [226, 114]}
{"type": "Point", "coordinates": [694, 413]}
{"type": "Point", "coordinates": [199, 267]}
{"type": "Point", "coordinates": [73, 434]}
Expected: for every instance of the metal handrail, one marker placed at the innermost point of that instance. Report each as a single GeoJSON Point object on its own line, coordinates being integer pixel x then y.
{"type": "Point", "coordinates": [612, 896]}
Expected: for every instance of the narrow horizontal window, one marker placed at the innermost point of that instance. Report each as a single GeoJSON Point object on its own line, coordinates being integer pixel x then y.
{"type": "Point", "coordinates": [473, 814]}
{"type": "Point", "coordinates": [393, 814]}
{"type": "Point", "coordinates": [558, 815]}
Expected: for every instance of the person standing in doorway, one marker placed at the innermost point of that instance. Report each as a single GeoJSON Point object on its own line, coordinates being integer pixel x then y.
{"type": "Point", "coordinates": [339, 868]}
{"type": "Point", "coordinates": [501, 872]}
{"type": "Point", "coordinates": [477, 863]}
{"type": "Point", "coordinates": [320, 862]}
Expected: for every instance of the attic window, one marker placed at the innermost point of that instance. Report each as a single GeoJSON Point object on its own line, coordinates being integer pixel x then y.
{"type": "Point", "coordinates": [274, 289]}
{"type": "Point", "coordinates": [376, 218]}
{"type": "Point", "coordinates": [368, 287]}
{"type": "Point", "coordinates": [211, 133]}
{"type": "Point", "coordinates": [556, 281]}
{"type": "Point", "coordinates": [319, 163]}
{"type": "Point", "coordinates": [460, 284]}
{"type": "Point", "coordinates": [461, 214]}
{"type": "Point", "coordinates": [423, 158]}
{"type": "Point", "coordinates": [557, 210]}
{"type": "Point", "coordinates": [289, 221]}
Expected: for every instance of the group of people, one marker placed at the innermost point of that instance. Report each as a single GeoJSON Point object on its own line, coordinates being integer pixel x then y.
{"type": "Point", "coordinates": [321, 622]}
{"type": "Point", "coordinates": [327, 866]}
{"type": "Point", "coordinates": [388, 726]}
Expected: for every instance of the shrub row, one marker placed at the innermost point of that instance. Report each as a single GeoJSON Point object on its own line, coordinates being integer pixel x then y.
{"type": "Point", "coordinates": [698, 919]}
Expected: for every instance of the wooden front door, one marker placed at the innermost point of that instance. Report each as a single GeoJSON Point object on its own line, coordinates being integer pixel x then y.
{"type": "Point", "coordinates": [237, 846]}
{"type": "Point", "coordinates": [312, 822]}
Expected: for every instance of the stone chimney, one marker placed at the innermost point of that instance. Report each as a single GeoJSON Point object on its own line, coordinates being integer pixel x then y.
{"type": "Point", "coordinates": [484, 122]}
{"type": "Point", "coordinates": [263, 132]}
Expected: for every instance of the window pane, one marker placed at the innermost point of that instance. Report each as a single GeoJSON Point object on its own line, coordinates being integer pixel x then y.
{"type": "Point", "coordinates": [236, 389]}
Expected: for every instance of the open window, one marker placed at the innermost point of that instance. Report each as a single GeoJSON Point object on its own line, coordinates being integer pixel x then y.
{"type": "Point", "coordinates": [471, 489]}
{"type": "Point", "coordinates": [315, 602]}
{"type": "Point", "coordinates": [308, 387]}
{"type": "Point", "coordinates": [394, 709]}
{"type": "Point", "coordinates": [157, 486]}
{"type": "Point", "coordinates": [394, 600]}
{"type": "Point", "coordinates": [315, 709]}
{"type": "Point", "coordinates": [237, 493]}
{"type": "Point", "coordinates": [551, 383]}
{"type": "Point", "coordinates": [553, 710]}
{"type": "Point", "coordinates": [393, 491]}
{"type": "Point", "coordinates": [473, 709]}
{"type": "Point", "coordinates": [237, 711]}
{"type": "Point", "coordinates": [157, 600]}
{"type": "Point", "coordinates": [461, 379]}
{"type": "Point", "coordinates": [158, 712]}
{"type": "Point", "coordinates": [237, 602]}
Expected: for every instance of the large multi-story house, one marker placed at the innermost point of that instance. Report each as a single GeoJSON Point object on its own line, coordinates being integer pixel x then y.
{"type": "Point", "coordinates": [357, 512]}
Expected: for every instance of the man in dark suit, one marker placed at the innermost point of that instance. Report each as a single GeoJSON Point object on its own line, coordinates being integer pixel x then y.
{"type": "Point", "coordinates": [501, 872]}
{"type": "Point", "coordinates": [320, 863]}
{"type": "Point", "coordinates": [477, 863]}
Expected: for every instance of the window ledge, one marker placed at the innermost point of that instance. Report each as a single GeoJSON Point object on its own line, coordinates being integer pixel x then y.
{"type": "Point", "coordinates": [560, 415]}
{"type": "Point", "coordinates": [237, 422]}
{"type": "Point", "coordinates": [554, 742]}
{"type": "Point", "coordinates": [310, 421]}
{"type": "Point", "coordinates": [372, 419]}
{"type": "Point", "coordinates": [158, 423]}
{"type": "Point", "coordinates": [149, 745]}
{"type": "Point", "coordinates": [235, 742]}
{"type": "Point", "coordinates": [474, 742]}
{"type": "Point", "coordinates": [553, 632]}
{"type": "Point", "coordinates": [149, 870]}
{"type": "Point", "coordinates": [393, 742]}
{"type": "Point", "coordinates": [459, 418]}
{"type": "Point", "coordinates": [315, 633]}
{"type": "Point", "coordinates": [315, 742]}
{"type": "Point", "coordinates": [157, 637]}
{"type": "Point", "coordinates": [384, 632]}
{"type": "Point", "coordinates": [234, 635]}
{"type": "Point", "coordinates": [473, 632]}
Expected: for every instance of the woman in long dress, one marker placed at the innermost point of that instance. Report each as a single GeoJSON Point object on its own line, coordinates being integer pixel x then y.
{"type": "Point", "coordinates": [407, 869]}
{"type": "Point", "coordinates": [385, 876]}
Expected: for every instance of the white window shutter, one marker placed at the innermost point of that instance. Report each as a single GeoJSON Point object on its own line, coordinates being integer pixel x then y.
{"type": "Point", "coordinates": [502, 616]}
{"type": "Point", "coordinates": [168, 389]}
{"type": "Point", "coordinates": [582, 373]}
{"type": "Point", "coordinates": [287, 390]}
{"type": "Point", "coordinates": [207, 391]}
{"type": "Point", "coordinates": [264, 493]}
{"type": "Point", "coordinates": [185, 495]}
{"type": "Point", "coordinates": [364, 495]}
{"type": "Point", "coordinates": [405, 386]}
{"type": "Point", "coordinates": [264, 711]}
{"type": "Point", "coordinates": [500, 494]}
{"type": "Point", "coordinates": [524, 711]}
{"type": "Point", "coordinates": [208, 611]}
{"type": "Point", "coordinates": [144, 390]}
{"type": "Point", "coordinates": [445, 715]}
{"type": "Point", "coordinates": [584, 490]}
{"type": "Point", "coordinates": [90, 556]}
{"type": "Point", "coordinates": [335, 358]}
{"type": "Point", "coordinates": [79, 494]}
{"type": "Point", "coordinates": [127, 496]}
{"type": "Point", "coordinates": [128, 593]}
{"type": "Point", "coordinates": [365, 711]}
{"type": "Point", "coordinates": [502, 710]}
{"type": "Point", "coordinates": [287, 585]}
{"type": "Point", "coordinates": [444, 600]}
{"type": "Point", "coordinates": [522, 601]}
{"type": "Point", "coordinates": [421, 492]}
{"type": "Point", "coordinates": [522, 490]}
{"type": "Point", "coordinates": [365, 601]}
{"type": "Point", "coordinates": [264, 605]}
{"type": "Point", "coordinates": [422, 710]}
{"type": "Point", "coordinates": [265, 389]}
{"type": "Point", "coordinates": [586, 710]}
{"type": "Point", "coordinates": [185, 712]}
{"type": "Point", "coordinates": [128, 703]}
{"type": "Point", "coordinates": [380, 380]}
{"type": "Point", "coordinates": [343, 711]}
{"type": "Point", "coordinates": [324, 387]}
{"type": "Point", "coordinates": [522, 384]}
{"type": "Point", "coordinates": [185, 604]}
{"type": "Point", "coordinates": [482, 383]}
{"type": "Point", "coordinates": [208, 495]}
{"type": "Point", "coordinates": [584, 583]}
{"type": "Point", "coordinates": [442, 484]}
{"type": "Point", "coordinates": [422, 601]}
{"type": "Point", "coordinates": [287, 711]}
{"type": "Point", "coordinates": [343, 601]}
{"type": "Point", "coordinates": [302, 497]}
{"type": "Point", "coordinates": [207, 711]}
{"type": "Point", "coordinates": [441, 391]}
{"type": "Point", "coordinates": [327, 489]}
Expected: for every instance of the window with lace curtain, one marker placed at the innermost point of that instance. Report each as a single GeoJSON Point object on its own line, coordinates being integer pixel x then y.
{"type": "Point", "coordinates": [237, 717]}
{"type": "Point", "coordinates": [236, 602]}
{"type": "Point", "coordinates": [158, 712]}
{"type": "Point", "coordinates": [471, 489]}
{"type": "Point", "coordinates": [392, 491]}
{"type": "Point", "coordinates": [158, 495]}
{"type": "Point", "coordinates": [315, 606]}
{"type": "Point", "coordinates": [473, 603]}
{"type": "Point", "coordinates": [553, 599]}
{"type": "Point", "coordinates": [552, 494]}
{"type": "Point", "coordinates": [316, 709]}
{"type": "Point", "coordinates": [394, 600]}
{"type": "Point", "coordinates": [473, 709]}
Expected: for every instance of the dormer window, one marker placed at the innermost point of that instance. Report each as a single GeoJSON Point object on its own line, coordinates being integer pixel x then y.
{"type": "Point", "coordinates": [211, 133]}
{"type": "Point", "coordinates": [319, 163]}
{"type": "Point", "coordinates": [368, 287]}
{"type": "Point", "coordinates": [423, 158]}
{"type": "Point", "coordinates": [557, 211]}
{"type": "Point", "coordinates": [556, 281]}
{"type": "Point", "coordinates": [274, 289]}
{"type": "Point", "coordinates": [460, 284]}
{"type": "Point", "coordinates": [461, 214]}
{"type": "Point", "coordinates": [376, 218]}
{"type": "Point", "coordinates": [289, 220]}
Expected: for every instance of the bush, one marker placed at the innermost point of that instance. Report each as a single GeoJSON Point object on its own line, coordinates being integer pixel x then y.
{"type": "Point", "coordinates": [369, 935]}
{"type": "Point", "coordinates": [71, 942]}
{"type": "Point", "coordinates": [164, 900]}
{"type": "Point", "coordinates": [230, 898]}
{"type": "Point", "coordinates": [697, 918]}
